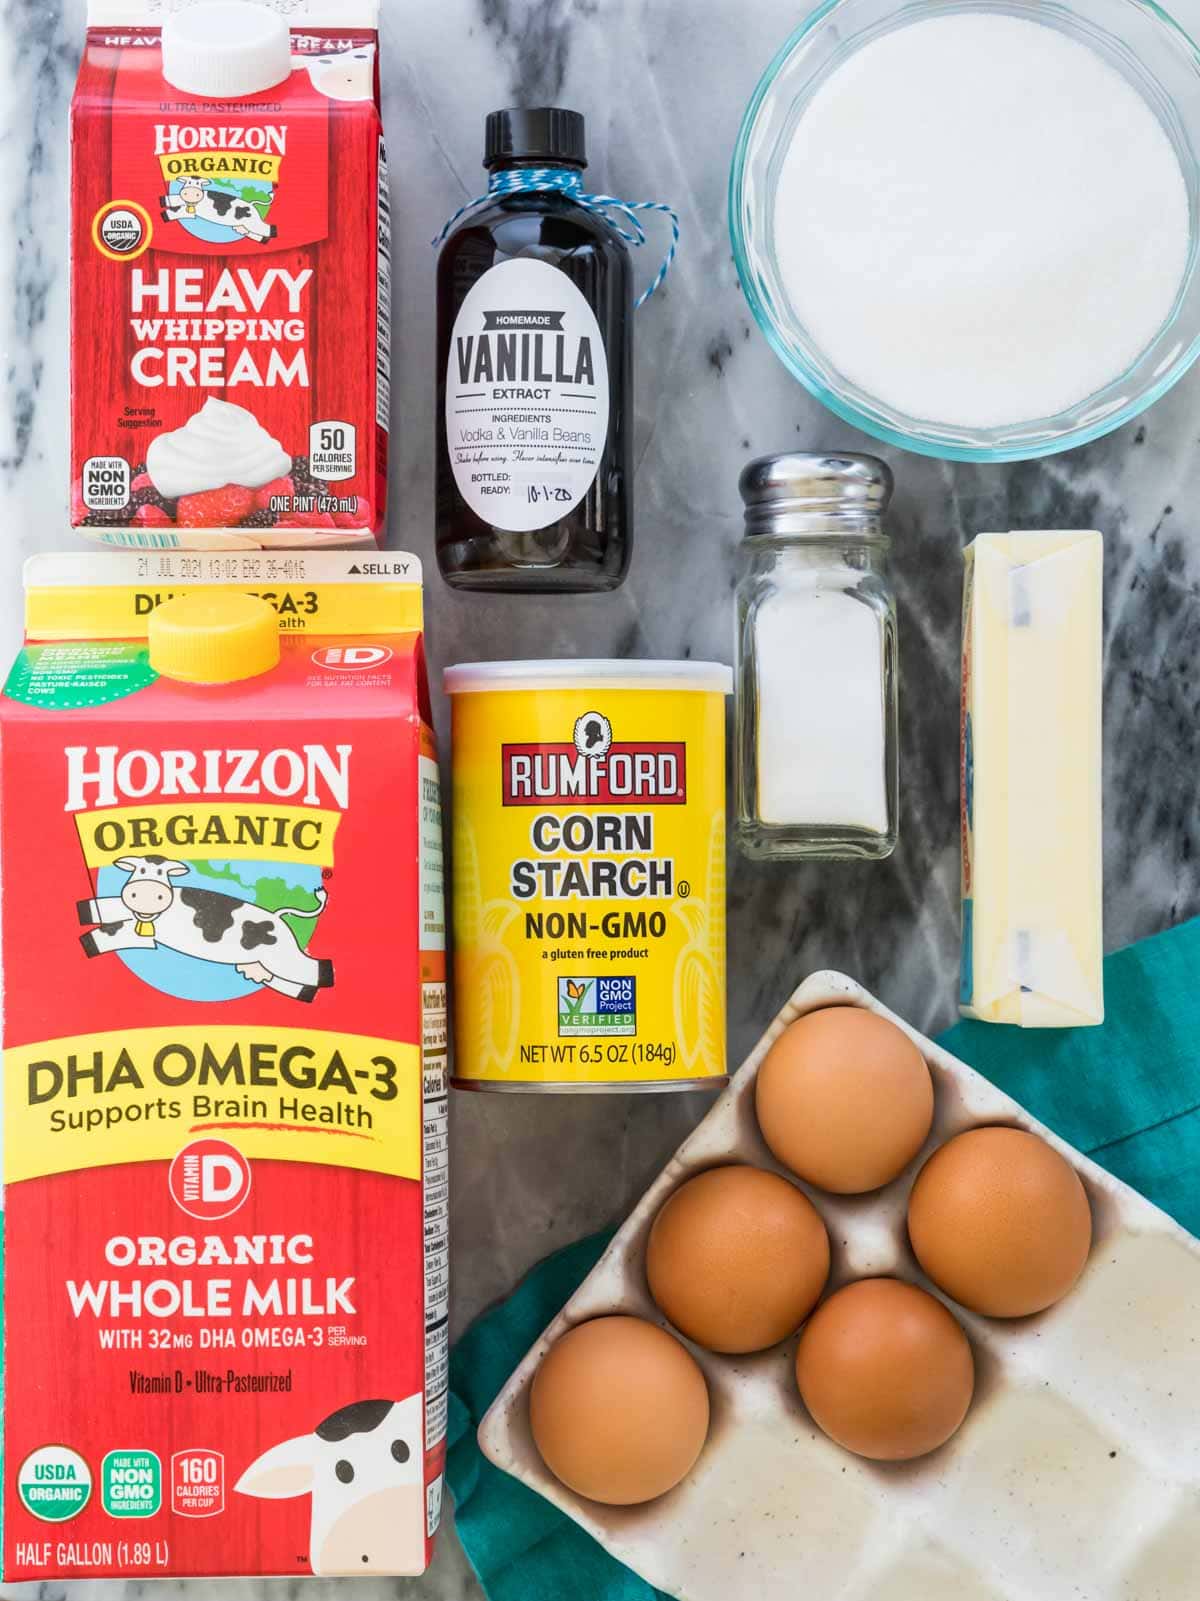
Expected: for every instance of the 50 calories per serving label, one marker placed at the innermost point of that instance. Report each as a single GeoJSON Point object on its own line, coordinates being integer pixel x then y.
{"type": "Point", "coordinates": [526, 396]}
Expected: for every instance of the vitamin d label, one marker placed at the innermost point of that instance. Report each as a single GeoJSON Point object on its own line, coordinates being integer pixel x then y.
{"type": "Point", "coordinates": [526, 396]}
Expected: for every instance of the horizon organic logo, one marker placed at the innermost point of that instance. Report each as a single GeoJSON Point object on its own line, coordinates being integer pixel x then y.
{"type": "Point", "coordinates": [266, 138]}
{"type": "Point", "coordinates": [106, 775]}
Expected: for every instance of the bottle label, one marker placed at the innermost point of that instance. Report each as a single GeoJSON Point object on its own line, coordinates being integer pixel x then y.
{"type": "Point", "coordinates": [526, 396]}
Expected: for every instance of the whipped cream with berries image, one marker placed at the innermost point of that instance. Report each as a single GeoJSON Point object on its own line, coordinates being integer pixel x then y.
{"type": "Point", "coordinates": [220, 444]}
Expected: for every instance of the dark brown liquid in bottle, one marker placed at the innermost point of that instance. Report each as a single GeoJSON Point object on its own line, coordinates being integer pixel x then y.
{"type": "Point", "coordinates": [588, 547]}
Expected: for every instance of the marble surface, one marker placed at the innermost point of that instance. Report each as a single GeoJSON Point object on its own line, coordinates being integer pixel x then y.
{"type": "Point", "coordinates": [663, 83]}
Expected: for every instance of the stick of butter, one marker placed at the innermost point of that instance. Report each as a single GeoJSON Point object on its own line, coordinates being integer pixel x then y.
{"type": "Point", "coordinates": [1032, 914]}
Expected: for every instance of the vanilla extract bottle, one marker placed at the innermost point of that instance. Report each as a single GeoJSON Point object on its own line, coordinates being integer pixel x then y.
{"type": "Point", "coordinates": [535, 353]}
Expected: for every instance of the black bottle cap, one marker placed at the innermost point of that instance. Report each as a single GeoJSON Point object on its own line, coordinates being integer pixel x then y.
{"type": "Point", "coordinates": [546, 134]}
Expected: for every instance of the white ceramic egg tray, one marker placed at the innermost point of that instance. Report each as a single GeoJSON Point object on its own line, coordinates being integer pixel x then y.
{"type": "Point", "coordinates": [1076, 1476]}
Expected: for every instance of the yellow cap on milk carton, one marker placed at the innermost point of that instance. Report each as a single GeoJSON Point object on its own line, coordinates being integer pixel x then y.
{"type": "Point", "coordinates": [1032, 913]}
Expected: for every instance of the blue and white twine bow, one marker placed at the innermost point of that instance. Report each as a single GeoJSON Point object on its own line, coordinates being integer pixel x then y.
{"type": "Point", "coordinates": [528, 180]}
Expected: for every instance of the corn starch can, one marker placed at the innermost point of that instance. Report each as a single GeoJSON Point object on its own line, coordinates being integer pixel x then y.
{"type": "Point", "coordinates": [589, 874]}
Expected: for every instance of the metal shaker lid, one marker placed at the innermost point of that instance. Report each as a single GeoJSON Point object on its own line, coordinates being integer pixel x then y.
{"type": "Point", "coordinates": [802, 483]}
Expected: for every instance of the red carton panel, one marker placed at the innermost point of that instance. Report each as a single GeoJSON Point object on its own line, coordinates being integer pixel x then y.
{"type": "Point", "coordinates": [225, 1086]}
{"type": "Point", "coordinates": [230, 295]}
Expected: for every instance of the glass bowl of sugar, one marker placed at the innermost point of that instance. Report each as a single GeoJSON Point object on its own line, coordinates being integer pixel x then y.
{"type": "Point", "coordinates": [971, 229]}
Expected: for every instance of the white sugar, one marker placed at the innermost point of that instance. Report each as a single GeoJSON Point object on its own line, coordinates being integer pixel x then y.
{"type": "Point", "coordinates": [980, 221]}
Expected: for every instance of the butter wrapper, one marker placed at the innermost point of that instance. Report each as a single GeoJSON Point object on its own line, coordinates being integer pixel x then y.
{"type": "Point", "coordinates": [1032, 892]}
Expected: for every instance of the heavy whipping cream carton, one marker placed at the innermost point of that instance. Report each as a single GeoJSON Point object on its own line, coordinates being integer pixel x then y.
{"type": "Point", "coordinates": [225, 1071]}
{"type": "Point", "coordinates": [230, 275]}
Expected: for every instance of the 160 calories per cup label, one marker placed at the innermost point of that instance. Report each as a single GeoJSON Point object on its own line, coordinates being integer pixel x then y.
{"type": "Point", "coordinates": [526, 396]}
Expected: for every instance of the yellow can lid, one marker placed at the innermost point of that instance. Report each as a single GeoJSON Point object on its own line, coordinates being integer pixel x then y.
{"type": "Point", "coordinates": [213, 638]}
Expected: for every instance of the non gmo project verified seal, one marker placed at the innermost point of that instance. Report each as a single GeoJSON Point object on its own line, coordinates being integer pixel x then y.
{"type": "Point", "coordinates": [591, 1006]}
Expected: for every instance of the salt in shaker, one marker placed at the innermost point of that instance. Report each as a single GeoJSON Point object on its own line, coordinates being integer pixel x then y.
{"type": "Point", "coordinates": [816, 759]}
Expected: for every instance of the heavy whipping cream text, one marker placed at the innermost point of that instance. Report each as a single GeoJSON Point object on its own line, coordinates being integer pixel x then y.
{"type": "Point", "coordinates": [188, 343]}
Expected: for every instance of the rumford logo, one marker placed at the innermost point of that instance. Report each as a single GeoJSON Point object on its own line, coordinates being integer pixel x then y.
{"type": "Point", "coordinates": [595, 769]}
{"type": "Point", "coordinates": [221, 182]}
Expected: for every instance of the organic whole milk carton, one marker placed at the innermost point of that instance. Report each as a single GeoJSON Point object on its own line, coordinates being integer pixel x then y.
{"type": "Point", "coordinates": [225, 1071]}
{"type": "Point", "coordinates": [230, 275]}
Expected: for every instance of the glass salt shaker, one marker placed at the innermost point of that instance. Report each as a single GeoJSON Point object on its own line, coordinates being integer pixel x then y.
{"type": "Point", "coordinates": [816, 767]}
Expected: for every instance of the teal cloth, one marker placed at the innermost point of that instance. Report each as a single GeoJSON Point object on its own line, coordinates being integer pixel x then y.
{"type": "Point", "coordinates": [1127, 1093]}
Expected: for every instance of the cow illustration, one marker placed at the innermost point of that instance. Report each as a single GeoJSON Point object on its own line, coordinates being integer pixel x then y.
{"type": "Point", "coordinates": [239, 215]}
{"type": "Point", "coordinates": [151, 911]}
{"type": "Point", "coordinates": [193, 202]}
{"type": "Point", "coordinates": [343, 74]}
{"type": "Point", "coordinates": [186, 200]}
{"type": "Point", "coordinates": [364, 1468]}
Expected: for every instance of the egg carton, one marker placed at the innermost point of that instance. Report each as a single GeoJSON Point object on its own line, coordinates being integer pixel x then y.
{"type": "Point", "coordinates": [1075, 1477]}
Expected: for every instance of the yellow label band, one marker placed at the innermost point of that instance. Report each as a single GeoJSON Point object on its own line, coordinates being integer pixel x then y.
{"type": "Point", "coordinates": [124, 612]}
{"type": "Point", "coordinates": [251, 832]}
{"type": "Point", "coordinates": [245, 164]}
{"type": "Point", "coordinates": [138, 1095]}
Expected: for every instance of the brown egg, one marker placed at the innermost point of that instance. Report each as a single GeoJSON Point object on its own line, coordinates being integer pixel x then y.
{"type": "Point", "coordinates": [737, 1258]}
{"type": "Point", "coordinates": [885, 1370]}
{"type": "Point", "coordinates": [844, 1099]}
{"type": "Point", "coordinates": [1000, 1222]}
{"type": "Point", "coordinates": [619, 1410]}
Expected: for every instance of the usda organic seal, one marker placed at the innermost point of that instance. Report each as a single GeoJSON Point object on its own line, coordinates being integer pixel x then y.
{"type": "Point", "coordinates": [55, 1483]}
